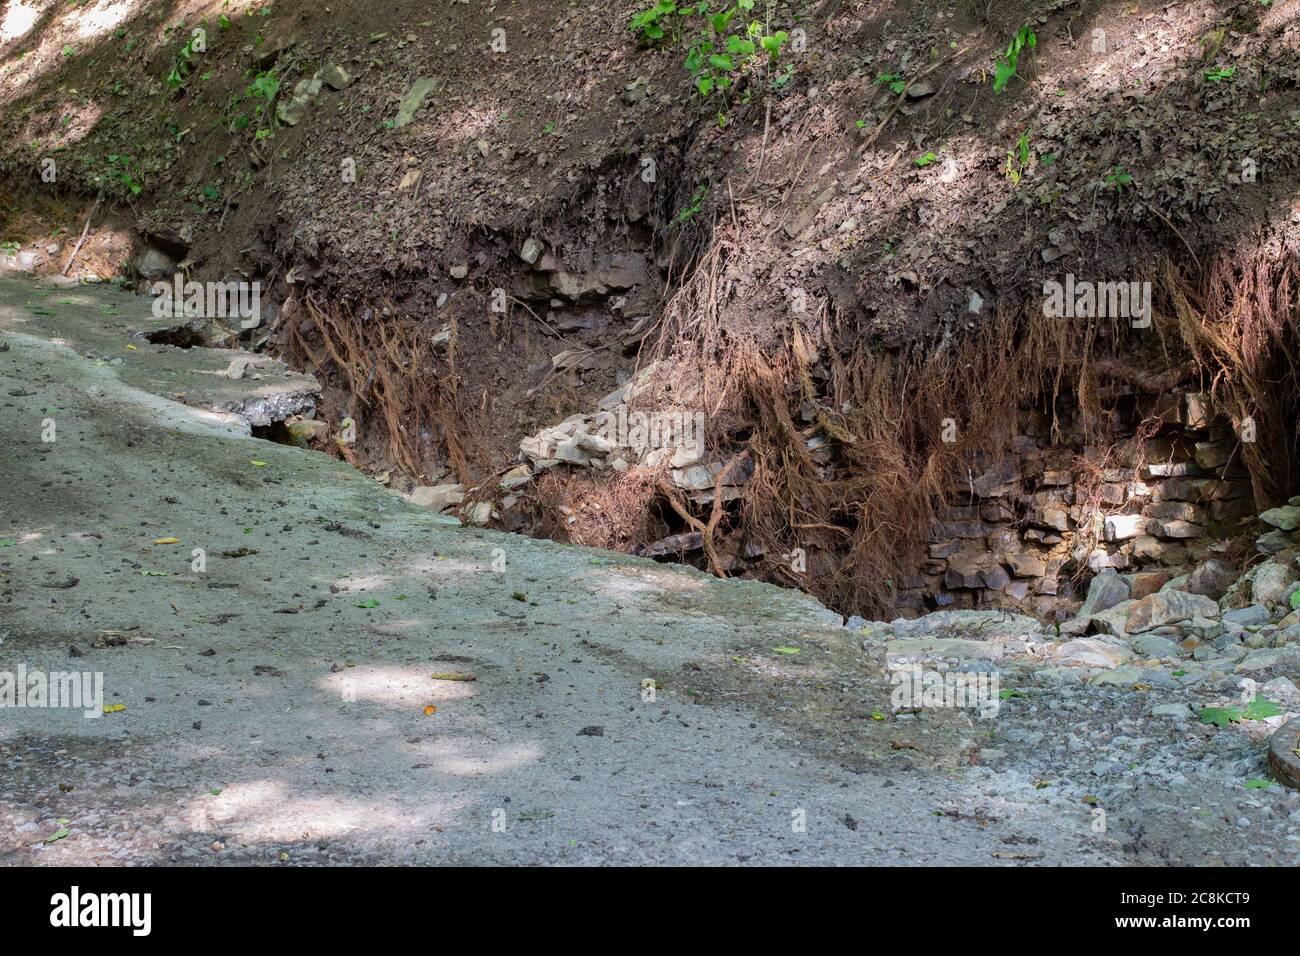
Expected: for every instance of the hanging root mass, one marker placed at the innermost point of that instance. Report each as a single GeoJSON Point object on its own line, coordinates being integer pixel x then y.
{"type": "Point", "coordinates": [852, 448]}
{"type": "Point", "coordinates": [398, 387]}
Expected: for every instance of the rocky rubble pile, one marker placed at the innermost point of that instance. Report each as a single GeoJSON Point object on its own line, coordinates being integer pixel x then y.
{"type": "Point", "coordinates": [1137, 504]}
{"type": "Point", "coordinates": [617, 436]}
{"type": "Point", "coordinates": [1156, 681]}
{"type": "Point", "coordinates": [1145, 627]}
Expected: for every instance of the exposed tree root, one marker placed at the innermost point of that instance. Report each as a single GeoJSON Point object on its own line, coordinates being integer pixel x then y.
{"type": "Point", "coordinates": [396, 383]}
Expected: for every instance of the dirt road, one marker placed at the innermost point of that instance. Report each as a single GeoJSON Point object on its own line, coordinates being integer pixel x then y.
{"type": "Point", "coordinates": [273, 696]}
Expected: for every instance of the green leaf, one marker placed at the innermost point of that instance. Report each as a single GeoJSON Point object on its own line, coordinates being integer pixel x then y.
{"type": "Point", "coordinates": [57, 835]}
{"type": "Point", "coordinates": [1002, 74]}
{"type": "Point", "coordinates": [370, 603]}
{"type": "Point", "coordinates": [1258, 784]}
{"type": "Point", "coordinates": [786, 650]}
{"type": "Point", "coordinates": [720, 61]}
{"type": "Point", "coordinates": [1260, 709]}
{"type": "Point", "coordinates": [6, 543]}
{"type": "Point", "coordinates": [1295, 599]}
{"type": "Point", "coordinates": [925, 160]}
{"type": "Point", "coordinates": [1219, 716]}
{"type": "Point", "coordinates": [1008, 694]}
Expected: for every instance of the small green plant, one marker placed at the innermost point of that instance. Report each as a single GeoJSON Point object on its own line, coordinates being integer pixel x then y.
{"type": "Point", "coordinates": [120, 169]}
{"type": "Point", "coordinates": [895, 81]}
{"type": "Point", "coordinates": [691, 210]}
{"type": "Point", "coordinates": [1257, 709]}
{"type": "Point", "coordinates": [926, 160]}
{"type": "Point", "coordinates": [68, 51]}
{"type": "Point", "coordinates": [724, 46]}
{"type": "Point", "coordinates": [1219, 75]}
{"type": "Point", "coordinates": [183, 65]}
{"type": "Point", "coordinates": [1009, 62]}
{"type": "Point", "coordinates": [1118, 179]}
{"type": "Point", "coordinates": [262, 91]}
{"type": "Point", "coordinates": [264, 86]}
{"type": "Point", "coordinates": [654, 23]}
{"type": "Point", "coordinates": [1018, 159]}
{"type": "Point", "coordinates": [10, 249]}
{"type": "Point", "coordinates": [715, 55]}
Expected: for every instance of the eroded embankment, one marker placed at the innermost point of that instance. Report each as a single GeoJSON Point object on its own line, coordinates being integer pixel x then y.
{"type": "Point", "coordinates": [836, 266]}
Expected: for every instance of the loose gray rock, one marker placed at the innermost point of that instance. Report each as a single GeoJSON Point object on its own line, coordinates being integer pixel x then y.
{"type": "Point", "coordinates": [1169, 607]}
{"type": "Point", "coordinates": [1247, 616]}
{"type": "Point", "coordinates": [1285, 518]}
{"type": "Point", "coordinates": [1104, 591]}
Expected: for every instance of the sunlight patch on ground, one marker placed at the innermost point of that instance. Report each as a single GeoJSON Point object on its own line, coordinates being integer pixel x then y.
{"type": "Point", "coordinates": [360, 584]}
{"type": "Point", "coordinates": [461, 125]}
{"type": "Point", "coordinates": [631, 582]}
{"type": "Point", "coordinates": [19, 18]}
{"type": "Point", "coordinates": [272, 811]}
{"type": "Point", "coordinates": [406, 688]}
{"type": "Point", "coordinates": [450, 569]}
{"type": "Point", "coordinates": [467, 760]}
{"type": "Point", "coordinates": [105, 16]}
{"type": "Point", "coordinates": [24, 537]}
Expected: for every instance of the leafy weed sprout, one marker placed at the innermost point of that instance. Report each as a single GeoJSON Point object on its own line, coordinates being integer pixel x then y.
{"type": "Point", "coordinates": [1118, 179]}
{"type": "Point", "coordinates": [183, 65]}
{"type": "Point", "coordinates": [120, 171]}
{"type": "Point", "coordinates": [1009, 62]}
{"type": "Point", "coordinates": [1018, 159]}
{"type": "Point", "coordinates": [726, 43]}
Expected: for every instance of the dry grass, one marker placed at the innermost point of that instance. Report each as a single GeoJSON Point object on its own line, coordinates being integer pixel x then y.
{"type": "Point", "coordinates": [614, 511]}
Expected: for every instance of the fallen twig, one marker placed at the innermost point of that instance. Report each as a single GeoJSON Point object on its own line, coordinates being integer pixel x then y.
{"type": "Point", "coordinates": [84, 232]}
